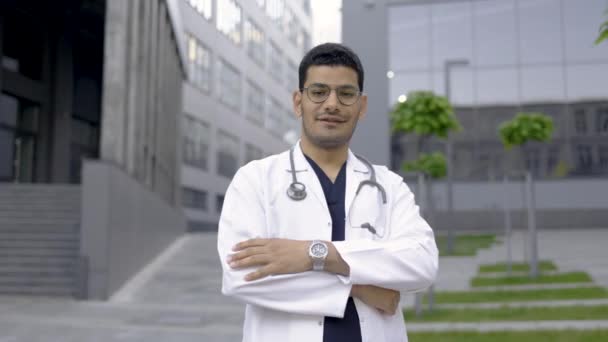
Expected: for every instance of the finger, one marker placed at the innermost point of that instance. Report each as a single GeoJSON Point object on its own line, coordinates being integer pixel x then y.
{"type": "Point", "coordinates": [254, 260]}
{"type": "Point", "coordinates": [260, 273]}
{"type": "Point", "coordinates": [250, 243]}
{"type": "Point", "coordinates": [245, 253]}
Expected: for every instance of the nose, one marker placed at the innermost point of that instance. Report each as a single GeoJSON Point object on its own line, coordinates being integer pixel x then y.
{"type": "Point", "coordinates": [331, 103]}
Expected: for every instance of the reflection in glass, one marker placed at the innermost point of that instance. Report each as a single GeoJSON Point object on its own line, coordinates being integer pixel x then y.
{"type": "Point", "coordinates": [587, 82]}
{"type": "Point", "coordinates": [540, 24]}
{"type": "Point", "coordinates": [495, 33]}
{"type": "Point", "coordinates": [452, 32]}
{"type": "Point", "coordinates": [409, 37]}
{"type": "Point", "coordinates": [582, 20]}
{"type": "Point", "coordinates": [542, 84]}
{"type": "Point", "coordinates": [497, 86]}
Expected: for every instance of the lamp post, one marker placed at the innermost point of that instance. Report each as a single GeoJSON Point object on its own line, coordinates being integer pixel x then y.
{"type": "Point", "coordinates": [449, 64]}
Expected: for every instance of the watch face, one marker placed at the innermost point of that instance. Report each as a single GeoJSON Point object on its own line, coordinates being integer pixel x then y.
{"type": "Point", "coordinates": [318, 250]}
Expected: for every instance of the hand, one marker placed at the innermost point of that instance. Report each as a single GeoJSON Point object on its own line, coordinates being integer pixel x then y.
{"type": "Point", "coordinates": [274, 256]}
{"type": "Point", "coordinates": [385, 300]}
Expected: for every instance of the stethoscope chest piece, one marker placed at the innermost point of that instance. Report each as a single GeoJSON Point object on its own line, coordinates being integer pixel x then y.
{"type": "Point", "coordinates": [296, 191]}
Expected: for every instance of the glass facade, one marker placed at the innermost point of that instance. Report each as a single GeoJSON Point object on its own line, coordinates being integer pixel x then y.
{"type": "Point", "coordinates": [252, 153]}
{"type": "Point", "coordinates": [274, 120]}
{"type": "Point", "coordinates": [230, 20]}
{"type": "Point", "coordinates": [495, 58]}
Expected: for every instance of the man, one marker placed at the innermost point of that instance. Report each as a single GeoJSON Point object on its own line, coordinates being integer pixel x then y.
{"type": "Point", "coordinates": [317, 242]}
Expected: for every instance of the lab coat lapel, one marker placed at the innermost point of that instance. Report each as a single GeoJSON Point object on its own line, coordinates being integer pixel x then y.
{"type": "Point", "coordinates": [306, 175]}
{"type": "Point", "coordinates": [356, 171]}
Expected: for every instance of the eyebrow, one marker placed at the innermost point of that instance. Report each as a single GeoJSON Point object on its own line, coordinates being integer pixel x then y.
{"type": "Point", "coordinates": [338, 86]}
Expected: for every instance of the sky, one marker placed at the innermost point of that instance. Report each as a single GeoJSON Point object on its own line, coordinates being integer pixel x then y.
{"type": "Point", "coordinates": [327, 21]}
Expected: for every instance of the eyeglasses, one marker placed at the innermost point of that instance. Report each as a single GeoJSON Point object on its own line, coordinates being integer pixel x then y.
{"type": "Point", "coordinates": [318, 93]}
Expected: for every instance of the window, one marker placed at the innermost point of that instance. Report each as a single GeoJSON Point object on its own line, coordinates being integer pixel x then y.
{"type": "Point", "coordinates": [23, 45]}
{"type": "Point", "coordinates": [533, 162]}
{"type": "Point", "coordinates": [275, 10]}
{"type": "Point", "coordinates": [199, 64]}
{"type": "Point", "coordinates": [229, 20]}
{"type": "Point", "coordinates": [230, 85]}
{"type": "Point", "coordinates": [274, 123]}
{"type": "Point", "coordinates": [194, 199]}
{"type": "Point", "coordinates": [603, 158]}
{"type": "Point", "coordinates": [584, 157]}
{"type": "Point", "coordinates": [261, 3]}
{"type": "Point", "coordinates": [227, 154]}
{"type": "Point", "coordinates": [275, 65]}
{"type": "Point", "coordinates": [601, 120]}
{"type": "Point", "coordinates": [252, 153]}
{"type": "Point", "coordinates": [254, 40]}
{"type": "Point", "coordinates": [196, 137]}
{"type": "Point", "coordinates": [580, 121]}
{"type": "Point", "coordinates": [255, 103]}
{"type": "Point", "coordinates": [203, 7]}
{"type": "Point", "coordinates": [219, 203]}
{"type": "Point", "coordinates": [552, 158]}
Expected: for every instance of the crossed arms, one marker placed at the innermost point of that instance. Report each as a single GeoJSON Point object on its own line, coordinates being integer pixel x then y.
{"type": "Point", "coordinates": [276, 273]}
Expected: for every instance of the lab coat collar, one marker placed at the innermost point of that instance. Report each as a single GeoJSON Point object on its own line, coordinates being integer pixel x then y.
{"type": "Point", "coordinates": [356, 171]}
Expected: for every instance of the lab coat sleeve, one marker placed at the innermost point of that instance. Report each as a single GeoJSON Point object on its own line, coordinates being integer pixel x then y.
{"type": "Point", "coordinates": [406, 261]}
{"type": "Point", "coordinates": [243, 218]}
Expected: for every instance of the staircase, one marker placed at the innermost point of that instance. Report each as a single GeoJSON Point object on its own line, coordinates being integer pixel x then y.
{"type": "Point", "coordinates": [39, 239]}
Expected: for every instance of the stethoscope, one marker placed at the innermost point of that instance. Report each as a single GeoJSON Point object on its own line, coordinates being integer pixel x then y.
{"type": "Point", "coordinates": [297, 190]}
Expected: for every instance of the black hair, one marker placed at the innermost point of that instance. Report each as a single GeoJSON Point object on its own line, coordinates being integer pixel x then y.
{"type": "Point", "coordinates": [331, 54]}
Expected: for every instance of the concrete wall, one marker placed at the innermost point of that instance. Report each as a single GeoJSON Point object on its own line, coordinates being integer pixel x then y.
{"type": "Point", "coordinates": [123, 227]}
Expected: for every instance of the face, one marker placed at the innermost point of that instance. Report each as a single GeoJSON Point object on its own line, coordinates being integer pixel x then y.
{"type": "Point", "coordinates": [329, 124]}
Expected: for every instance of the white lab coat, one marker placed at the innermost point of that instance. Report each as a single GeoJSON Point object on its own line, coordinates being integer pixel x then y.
{"type": "Point", "coordinates": [291, 308]}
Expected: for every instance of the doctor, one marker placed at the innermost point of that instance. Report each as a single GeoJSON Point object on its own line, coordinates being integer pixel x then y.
{"type": "Point", "coordinates": [317, 242]}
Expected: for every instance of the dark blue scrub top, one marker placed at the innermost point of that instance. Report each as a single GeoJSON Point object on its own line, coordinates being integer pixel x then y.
{"type": "Point", "coordinates": [347, 329]}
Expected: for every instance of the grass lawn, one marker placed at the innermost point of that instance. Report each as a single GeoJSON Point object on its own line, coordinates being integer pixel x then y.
{"type": "Point", "coordinates": [543, 266]}
{"type": "Point", "coordinates": [519, 295]}
{"type": "Point", "coordinates": [508, 336]}
{"type": "Point", "coordinates": [511, 314]}
{"type": "Point", "coordinates": [570, 277]}
{"type": "Point", "coordinates": [465, 245]}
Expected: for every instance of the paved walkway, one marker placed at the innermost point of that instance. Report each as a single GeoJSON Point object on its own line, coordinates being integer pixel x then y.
{"type": "Point", "coordinates": [177, 298]}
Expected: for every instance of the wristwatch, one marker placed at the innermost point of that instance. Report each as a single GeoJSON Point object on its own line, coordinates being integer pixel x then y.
{"type": "Point", "coordinates": [318, 253]}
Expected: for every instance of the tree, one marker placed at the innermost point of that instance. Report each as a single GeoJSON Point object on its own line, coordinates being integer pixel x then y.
{"type": "Point", "coordinates": [426, 115]}
{"type": "Point", "coordinates": [603, 32]}
{"type": "Point", "coordinates": [521, 130]}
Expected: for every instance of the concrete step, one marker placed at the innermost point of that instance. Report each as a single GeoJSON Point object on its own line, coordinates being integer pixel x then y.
{"type": "Point", "coordinates": [37, 272]}
{"type": "Point", "coordinates": [39, 252]}
{"type": "Point", "coordinates": [34, 220]}
{"type": "Point", "coordinates": [9, 245]}
{"type": "Point", "coordinates": [38, 236]}
{"type": "Point", "coordinates": [35, 290]}
{"type": "Point", "coordinates": [40, 228]}
{"type": "Point", "coordinates": [34, 262]}
{"type": "Point", "coordinates": [46, 214]}
{"type": "Point", "coordinates": [33, 280]}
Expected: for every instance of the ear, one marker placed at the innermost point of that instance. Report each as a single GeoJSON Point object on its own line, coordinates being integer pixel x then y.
{"type": "Point", "coordinates": [297, 103]}
{"type": "Point", "coordinates": [363, 106]}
